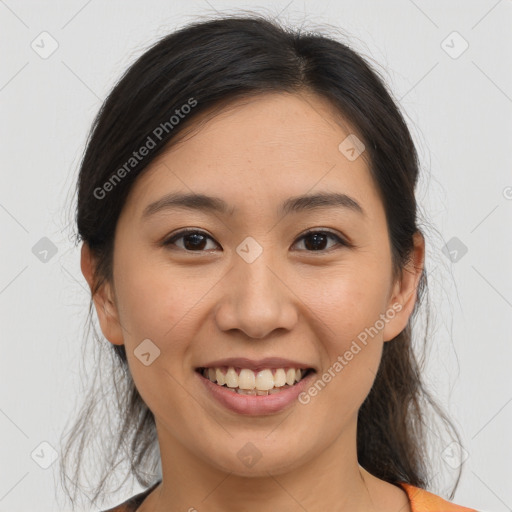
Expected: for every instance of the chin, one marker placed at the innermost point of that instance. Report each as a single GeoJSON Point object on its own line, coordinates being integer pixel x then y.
{"type": "Point", "coordinates": [254, 460]}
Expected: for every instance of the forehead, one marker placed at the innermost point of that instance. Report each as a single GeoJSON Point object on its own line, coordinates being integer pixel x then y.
{"type": "Point", "coordinates": [279, 124]}
{"type": "Point", "coordinates": [265, 148]}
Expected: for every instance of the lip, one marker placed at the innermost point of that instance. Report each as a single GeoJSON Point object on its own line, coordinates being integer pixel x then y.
{"type": "Point", "coordinates": [254, 405]}
{"type": "Point", "coordinates": [256, 364]}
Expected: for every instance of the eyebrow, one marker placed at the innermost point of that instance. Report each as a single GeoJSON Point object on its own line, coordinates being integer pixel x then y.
{"type": "Point", "coordinates": [202, 202]}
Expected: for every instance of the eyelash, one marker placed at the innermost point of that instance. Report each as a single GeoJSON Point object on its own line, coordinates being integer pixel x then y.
{"type": "Point", "coordinates": [185, 232]}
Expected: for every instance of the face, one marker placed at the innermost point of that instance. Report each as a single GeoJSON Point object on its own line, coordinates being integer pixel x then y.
{"type": "Point", "coordinates": [256, 280]}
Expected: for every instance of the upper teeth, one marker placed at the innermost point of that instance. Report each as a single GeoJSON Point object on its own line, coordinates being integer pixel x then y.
{"type": "Point", "coordinates": [247, 379]}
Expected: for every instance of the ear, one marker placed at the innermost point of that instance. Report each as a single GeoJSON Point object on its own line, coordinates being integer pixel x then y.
{"type": "Point", "coordinates": [103, 299]}
{"type": "Point", "coordinates": [404, 294]}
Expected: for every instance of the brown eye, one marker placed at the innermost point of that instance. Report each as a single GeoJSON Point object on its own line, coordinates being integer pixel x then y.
{"type": "Point", "coordinates": [197, 241]}
{"type": "Point", "coordinates": [317, 240]}
{"type": "Point", "coordinates": [193, 240]}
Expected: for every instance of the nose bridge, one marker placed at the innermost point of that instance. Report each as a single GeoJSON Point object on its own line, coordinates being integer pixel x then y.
{"type": "Point", "coordinates": [255, 300]}
{"type": "Point", "coordinates": [255, 280]}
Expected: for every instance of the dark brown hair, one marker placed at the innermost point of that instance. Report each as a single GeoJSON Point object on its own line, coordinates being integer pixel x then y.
{"type": "Point", "coordinates": [217, 62]}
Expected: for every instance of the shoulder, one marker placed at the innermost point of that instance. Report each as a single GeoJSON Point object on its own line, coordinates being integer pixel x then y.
{"type": "Point", "coordinates": [126, 506]}
{"type": "Point", "coordinates": [133, 503]}
{"type": "Point", "coordinates": [119, 508]}
{"type": "Point", "coordinates": [424, 501]}
{"type": "Point", "coordinates": [419, 499]}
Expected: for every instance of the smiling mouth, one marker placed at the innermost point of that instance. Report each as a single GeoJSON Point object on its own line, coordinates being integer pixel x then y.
{"type": "Point", "coordinates": [261, 383]}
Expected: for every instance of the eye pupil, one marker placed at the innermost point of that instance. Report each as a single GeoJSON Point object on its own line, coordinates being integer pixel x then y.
{"type": "Point", "coordinates": [201, 239]}
{"type": "Point", "coordinates": [196, 241]}
{"type": "Point", "coordinates": [318, 239]}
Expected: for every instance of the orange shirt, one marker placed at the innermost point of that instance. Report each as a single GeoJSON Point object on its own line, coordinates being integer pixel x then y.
{"type": "Point", "coordinates": [419, 500]}
{"type": "Point", "coordinates": [424, 501]}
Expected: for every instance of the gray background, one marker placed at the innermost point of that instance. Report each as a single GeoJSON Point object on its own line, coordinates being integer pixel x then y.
{"type": "Point", "coordinates": [458, 105]}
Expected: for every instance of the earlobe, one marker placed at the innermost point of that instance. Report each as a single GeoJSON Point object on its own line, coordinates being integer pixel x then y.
{"type": "Point", "coordinates": [103, 299]}
{"type": "Point", "coordinates": [405, 291]}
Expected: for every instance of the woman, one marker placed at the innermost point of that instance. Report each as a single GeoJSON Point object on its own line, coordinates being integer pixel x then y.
{"type": "Point", "coordinates": [247, 211]}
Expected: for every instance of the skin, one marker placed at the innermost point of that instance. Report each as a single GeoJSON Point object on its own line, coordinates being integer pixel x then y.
{"type": "Point", "coordinates": [292, 301]}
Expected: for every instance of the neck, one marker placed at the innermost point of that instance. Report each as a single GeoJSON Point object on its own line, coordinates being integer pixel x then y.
{"type": "Point", "coordinates": [333, 480]}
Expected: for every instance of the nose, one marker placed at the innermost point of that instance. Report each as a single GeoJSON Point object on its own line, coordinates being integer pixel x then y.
{"type": "Point", "coordinates": [256, 299]}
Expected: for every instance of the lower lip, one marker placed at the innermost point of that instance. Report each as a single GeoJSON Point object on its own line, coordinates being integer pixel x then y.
{"type": "Point", "coordinates": [254, 404]}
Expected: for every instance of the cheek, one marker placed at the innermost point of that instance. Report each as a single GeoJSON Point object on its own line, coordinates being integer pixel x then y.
{"type": "Point", "coordinates": [157, 301]}
{"type": "Point", "coordinates": [349, 308]}
{"type": "Point", "coordinates": [157, 306]}
{"type": "Point", "coordinates": [162, 304]}
{"type": "Point", "coordinates": [347, 302]}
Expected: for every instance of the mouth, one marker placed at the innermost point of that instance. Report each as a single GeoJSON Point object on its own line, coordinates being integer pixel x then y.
{"type": "Point", "coordinates": [263, 382]}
